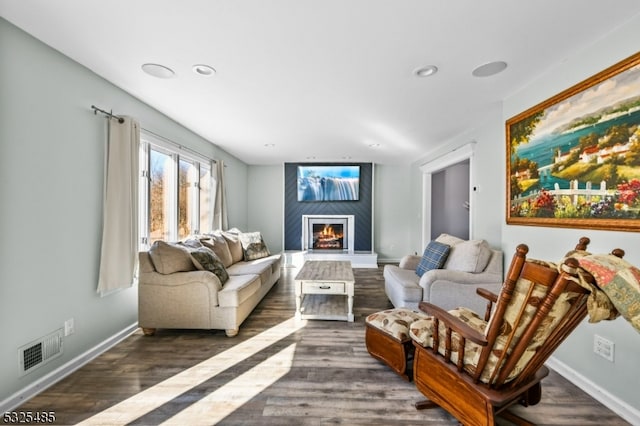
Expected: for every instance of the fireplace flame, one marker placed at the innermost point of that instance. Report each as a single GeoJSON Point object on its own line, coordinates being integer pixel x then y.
{"type": "Point", "coordinates": [328, 238]}
{"type": "Point", "coordinates": [328, 232]}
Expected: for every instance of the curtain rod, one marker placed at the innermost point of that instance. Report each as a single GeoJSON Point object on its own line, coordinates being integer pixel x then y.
{"type": "Point", "coordinates": [121, 120]}
{"type": "Point", "coordinates": [108, 114]}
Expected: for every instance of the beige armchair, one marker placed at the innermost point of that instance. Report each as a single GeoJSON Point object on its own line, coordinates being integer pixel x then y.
{"type": "Point", "coordinates": [470, 264]}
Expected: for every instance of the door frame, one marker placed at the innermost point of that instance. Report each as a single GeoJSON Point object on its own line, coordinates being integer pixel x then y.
{"type": "Point", "coordinates": [465, 152]}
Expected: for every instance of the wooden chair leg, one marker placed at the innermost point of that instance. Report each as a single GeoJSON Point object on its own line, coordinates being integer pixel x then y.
{"type": "Point", "coordinates": [532, 396]}
{"type": "Point", "coordinates": [515, 419]}
{"type": "Point", "coordinates": [425, 405]}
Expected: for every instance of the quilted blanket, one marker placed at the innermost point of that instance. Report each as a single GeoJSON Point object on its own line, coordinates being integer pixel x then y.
{"type": "Point", "coordinates": [619, 281]}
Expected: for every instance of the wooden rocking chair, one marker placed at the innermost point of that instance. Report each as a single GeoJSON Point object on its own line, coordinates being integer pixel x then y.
{"type": "Point", "coordinates": [476, 368]}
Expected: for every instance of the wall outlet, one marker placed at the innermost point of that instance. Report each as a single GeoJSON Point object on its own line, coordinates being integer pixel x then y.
{"type": "Point", "coordinates": [69, 327]}
{"type": "Point", "coordinates": [603, 347]}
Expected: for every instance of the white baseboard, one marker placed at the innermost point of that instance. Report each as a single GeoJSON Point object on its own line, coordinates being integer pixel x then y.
{"type": "Point", "coordinates": [615, 404]}
{"type": "Point", "coordinates": [63, 371]}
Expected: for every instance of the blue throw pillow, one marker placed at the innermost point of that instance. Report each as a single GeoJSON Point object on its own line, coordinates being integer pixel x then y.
{"type": "Point", "coordinates": [434, 256]}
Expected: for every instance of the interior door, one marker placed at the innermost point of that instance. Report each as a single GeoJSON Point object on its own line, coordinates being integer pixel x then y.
{"type": "Point", "coordinates": [450, 201]}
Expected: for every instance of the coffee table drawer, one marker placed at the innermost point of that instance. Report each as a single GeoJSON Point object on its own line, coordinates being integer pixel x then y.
{"type": "Point", "coordinates": [323, 288]}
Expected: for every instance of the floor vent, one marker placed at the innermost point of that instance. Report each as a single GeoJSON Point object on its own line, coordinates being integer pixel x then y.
{"type": "Point", "coordinates": [41, 351]}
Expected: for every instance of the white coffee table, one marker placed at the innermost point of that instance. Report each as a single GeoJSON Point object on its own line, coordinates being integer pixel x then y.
{"type": "Point", "coordinates": [329, 278]}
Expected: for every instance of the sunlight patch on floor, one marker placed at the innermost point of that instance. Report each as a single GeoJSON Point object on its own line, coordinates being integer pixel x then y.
{"type": "Point", "coordinates": [150, 399]}
{"type": "Point", "coordinates": [225, 400]}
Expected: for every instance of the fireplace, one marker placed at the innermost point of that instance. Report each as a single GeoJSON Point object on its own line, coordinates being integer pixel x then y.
{"type": "Point", "coordinates": [328, 232]}
{"type": "Point", "coordinates": [327, 236]}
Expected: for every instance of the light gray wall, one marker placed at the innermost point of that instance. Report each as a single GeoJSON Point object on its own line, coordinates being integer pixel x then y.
{"type": "Point", "coordinates": [393, 212]}
{"type": "Point", "coordinates": [486, 176]}
{"type": "Point", "coordinates": [51, 178]}
{"type": "Point", "coordinates": [266, 204]}
{"type": "Point", "coordinates": [619, 378]}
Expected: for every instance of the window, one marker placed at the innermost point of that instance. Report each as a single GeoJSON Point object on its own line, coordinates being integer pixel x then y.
{"type": "Point", "coordinates": [161, 200]}
{"type": "Point", "coordinates": [187, 197]}
{"type": "Point", "coordinates": [175, 192]}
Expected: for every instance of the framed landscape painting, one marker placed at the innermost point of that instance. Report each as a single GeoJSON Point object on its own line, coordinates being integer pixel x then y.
{"type": "Point", "coordinates": [574, 159]}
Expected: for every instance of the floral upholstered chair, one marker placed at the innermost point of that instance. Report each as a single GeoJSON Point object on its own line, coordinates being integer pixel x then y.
{"type": "Point", "coordinates": [476, 367]}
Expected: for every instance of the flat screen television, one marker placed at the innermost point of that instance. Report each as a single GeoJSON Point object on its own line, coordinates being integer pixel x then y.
{"type": "Point", "coordinates": [328, 182]}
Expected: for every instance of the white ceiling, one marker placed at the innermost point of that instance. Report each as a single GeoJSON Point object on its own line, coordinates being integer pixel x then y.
{"type": "Point", "coordinates": [326, 78]}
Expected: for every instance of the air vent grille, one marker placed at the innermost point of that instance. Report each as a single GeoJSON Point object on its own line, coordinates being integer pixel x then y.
{"type": "Point", "coordinates": [41, 351]}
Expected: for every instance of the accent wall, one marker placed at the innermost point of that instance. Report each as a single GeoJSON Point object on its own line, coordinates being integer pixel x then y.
{"type": "Point", "coordinates": [361, 209]}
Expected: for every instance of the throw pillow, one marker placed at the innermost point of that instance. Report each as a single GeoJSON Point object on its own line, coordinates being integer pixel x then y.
{"type": "Point", "coordinates": [253, 246]}
{"type": "Point", "coordinates": [449, 240]}
{"type": "Point", "coordinates": [168, 258]}
{"type": "Point", "coordinates": [218, 244]}
{"type": "Point", "coordinates": [235, 246]}
{"type": "Point", "coordinates": [434, 256]}
{"type": "Point", "coordinates": [206, 260]}
{"type": "Point", "coordinates": [469, 256]}
{"type": "Point", "coordinates": [191, 243]}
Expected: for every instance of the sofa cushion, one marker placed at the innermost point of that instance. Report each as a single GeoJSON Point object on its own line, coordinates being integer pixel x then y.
{"type": "Point", "coordinates": [434, 256]}
{"type": "Point", "coordinates": [253, 246]}
{"type": "Point", "coordinates": [238, 289]}
{"type": "Point", "coordinates": [206, 260]}
{"type": "Point", "coordinates": [252, 268]}
{"type": "Point", "coordinates": [235, 246]}
{"type": "Point", "coordinates": [469, 256]}
{"type": "Point", "coordinates": [218, 244]}
{"type": "Point", "coordinates": [395, 322]}
{"type": "Point", "coordinates": [169, 258]}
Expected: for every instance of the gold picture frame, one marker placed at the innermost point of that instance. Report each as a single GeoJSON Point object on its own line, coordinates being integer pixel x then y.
{"type": "Point", "coordinates": [574, 160]}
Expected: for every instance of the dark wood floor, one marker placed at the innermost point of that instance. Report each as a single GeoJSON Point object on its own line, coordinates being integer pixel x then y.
{"type": "Point", "coordinates": [275, 372]}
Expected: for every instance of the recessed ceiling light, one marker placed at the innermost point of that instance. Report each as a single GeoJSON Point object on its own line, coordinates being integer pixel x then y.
{"type": "Point", "coordinates": [489, 69]}
{"type": "Point", "coordinates": [204, 70]}
{"type": "Point", "coordinates": [427, 71]}
{"type": "Point", "coordinates": [157, 70]}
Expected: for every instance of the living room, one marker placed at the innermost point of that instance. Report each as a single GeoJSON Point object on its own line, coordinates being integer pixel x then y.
{"type": "Point", "coordinates": [51, 217]}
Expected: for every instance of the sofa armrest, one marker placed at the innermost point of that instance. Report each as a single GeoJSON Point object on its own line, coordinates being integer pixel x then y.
{"type": "Point", "coordinates": [458, 277]}
{"type": "Point", "coordinates": [178, 300]}
{"type": "Point", "coordinates": [410, 261]}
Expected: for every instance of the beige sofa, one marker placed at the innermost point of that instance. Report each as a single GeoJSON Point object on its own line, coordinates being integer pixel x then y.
{"type": "Point", "coordinates": [469, 264]}
{"type": "Point", "coordinates": [181, 285]}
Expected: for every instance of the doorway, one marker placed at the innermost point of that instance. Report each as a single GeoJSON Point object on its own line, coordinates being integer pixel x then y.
{"type": "Point", "coordinates": [450, 201]}
{"type": "Point", "coordinates": [460, 161]}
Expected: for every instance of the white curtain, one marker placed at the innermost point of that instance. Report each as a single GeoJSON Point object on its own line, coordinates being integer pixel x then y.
{"type": "Point", "coordinates": [119, 255]}
{"type": "Point", "coordinates": [220, 200]}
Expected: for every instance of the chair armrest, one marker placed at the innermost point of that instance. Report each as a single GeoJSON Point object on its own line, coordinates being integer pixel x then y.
{"type": "Point", "coordinates": [489, 295]}
{"type": "Point", "coordinates": [410, 261]}
{"type": "Point", "coordinates": [453, 323]}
